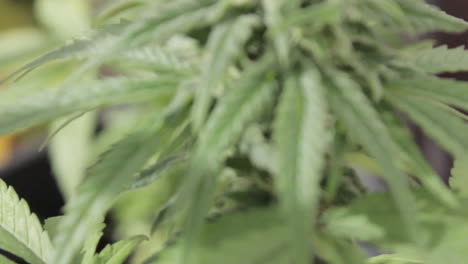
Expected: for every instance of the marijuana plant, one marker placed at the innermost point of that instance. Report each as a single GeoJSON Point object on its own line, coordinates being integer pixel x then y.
{"type": "Point", "coordinates": [254, 116]}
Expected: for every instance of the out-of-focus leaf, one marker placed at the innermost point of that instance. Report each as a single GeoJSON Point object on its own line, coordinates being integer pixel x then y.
{"type": "Point", "coordinates": [224, 45]}
{"type": "Point", "coordinates": [301, 141]}
{"type": "Point", "coordinates": [339, 223]}
{"type": "Point", "coordinates": [358, 115]}
{"type": "Point", "coordinates": [393, 259]}
{"type": "Point", "coordinates": [439, 123]}
{"type": "Point", "coordinates": [337, 250]}
{"type": "Point", "coordinates": [44, 106]}
{"type": "Point", "coordinates": [274, 18]}
{"type": "Point", "coordinates": [448, 91]}
{"type": "Point", "coordinates": [118, 252]}
{"type": "Point", "coordinates": [243, 104]}
{"type": "Point", "coordinates": [425, 17]}
{"type": "Point", "coordinates": [250, 237]}
{"type": "Point", "coordinates": [90, 245]}
{"type": "Point", "coordinates": [439, 59]}
{"type": "Point", "coordinates": [70, 152]}
{"type": "Point", "coordinates": [64, 18]}
{"type": "Point", "coordinates": [114, 8]}
{"type": "Point", "coordinates": [109, 177]}
{"type": "Point", "coordinates": [16, 45]}
{"type": "Point", "coordinates": [459, 179]}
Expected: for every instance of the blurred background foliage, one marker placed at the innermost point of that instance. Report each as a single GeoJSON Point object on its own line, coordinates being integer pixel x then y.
{"type": "Point", "coordinates": [27, 29]}
{"type": "Point", "coordinates": [13, 15]}
{"type": "Point", "coordinates": [16, 13]}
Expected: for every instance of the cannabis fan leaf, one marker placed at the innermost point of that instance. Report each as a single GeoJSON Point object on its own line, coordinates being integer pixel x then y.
{"type": "Point", "coordinates": [21, 232]}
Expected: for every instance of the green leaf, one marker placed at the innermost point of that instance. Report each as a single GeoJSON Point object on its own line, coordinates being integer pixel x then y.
{"type": "Point", "coordinates": [280, 38]}
{"type": "Point", "coordinates": [323, 13]}
{"type": "Point", "coordinates": [425, 17]}
{"type": "Point", "coordinates": [382, 214]}
{"type": "Point", "coordinates": [341, 224]}
{"type": "Point", "coordinates": [417, 165]}
{"type": "Point", "coordinates": [70, 151]}
{"type": "Point", "coordinates": [225, 43]}
{"type": "Point", "coordinates": [44, 106]}
{"type": "Point", "coordinates": [440, 231]}
{"type": "Point", "coordinates": [118, 252]}
{"type": "Point", "coordinates": [155, 171]}
{"type": "Point", "coordinates": [390, 8]}
{"type": "Point", "coordinates": [114, 8]}
{"type": "Point", "coordinates": [170, 19]}
{"type": "Point", "coordinates": [251, 237]}
{"type": "Point", "coordinates": [244, 103]}
{"type": "Point", "coordinates": [449, 246]}
{"type": "Point", "coordinates": [20, 43]}
{"type": "Point", "coordinates": [258, 149]}
{"type": "Point", "coordinates": [162, 59]}
{"type": "Point", "coordinates": [393, 259]}
{"type": "Point", "coordinates": [364, 124]}
{"type": "Point", "coordinates": [51, 224]}
{"type": "Point", "coordinates": [5, 260]}
{"type": "Point", "coordinates": [80, 48]}
{"type": "Point", "coordinates": [107, 178]}
{"type": "Point", "coordinates": [301, 136]}
{"type": "Point", "coordinates": [90, 245]}
{"type": "Point", "coordinates": [104, 44]}
{"type": "Point", "coordinates": [247, 99]}
{"type": "Point", "coordinates": [439, 123]}
{"type": "Point", "coordinates": [438, 59]}
{"type": "Point", "coordinates": [21, 232]}
{"type": "Point", "coordinates": [448, 91]}
{"type": "Point", "coordinates": [338, 250]}
{"type": "Point", "coordinates": [51, 15]}
{"type": "Point", "coordinates": [459, 173]}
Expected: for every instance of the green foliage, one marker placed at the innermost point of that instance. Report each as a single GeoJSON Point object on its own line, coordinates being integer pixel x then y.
{"type": "Point", "coordinates": [440, 230]}
{"type": "Point", "coordinates": [224, 44]}
{"type": "Point", "coordinates": [117, 253]}
{"type": "Point", "coordinates": [20, 231]}
{"type": "Point", "coordinates": [439, 123]}
{"type": "Point", "coordinates": [447, 91]}
{"type": "Point", "coordinates": [425, 17]}
{"type": "Point", "coordinates": [103, 184]}
{"type": "Point", "coordinates": [459, 176]}
{"type": "Point", "coordinates": [392, 259]}
{"type": "Point", "coordinates": [239, 132]}
{"type": "Point", "coordinates": [364, 124]}
{"type": "Point", "coordinates": [439, 59]}
{"type": "Point", "coordinates": [301, 140]}
{"type": "Point", "coordinates": [49, 105]}
{"type": "Point", "coordinates": [254, 236]}
{"type": "Point", "coordinates": [70, 167]}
